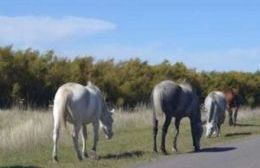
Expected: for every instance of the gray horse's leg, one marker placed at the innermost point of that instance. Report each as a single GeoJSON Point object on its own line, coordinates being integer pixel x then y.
{"type": "Point", "coordinates": [55, 141]}
{"type": "Point", "coordinates": [235, 116]}
{"type": "Point", "coordinates": [155, 131]}
{"type": "Point", "coordinates": [177, 126]}
{"type": "Point", "coordinates": [84, 139]}
{"type": "Point", "coordinates": [218, 130]}
{"type": "Point", "coordinates": [164, 132]}
{"type": "Point", "coordinates": [75, 135]}
{"type": "Point", "coordinates": [96, 138]}
{"type": "Point", "coordinates": [230, 114]}
{"type": "Point", "coordinates": [194, 131]}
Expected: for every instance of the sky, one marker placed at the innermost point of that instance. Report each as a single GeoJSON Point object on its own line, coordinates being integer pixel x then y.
{"type": "Point", "coordinates": [220, 35]}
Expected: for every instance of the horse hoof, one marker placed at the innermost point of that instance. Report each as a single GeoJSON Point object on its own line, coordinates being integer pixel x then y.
{"type": "Point", "coordinates": [94, 155]}
{"type": "Point", "coordinates": [175, 149]}
{"type": "Point", "coordinates": [55, 159]}
{"type": "Point", "coordinates": [164, 152]}
{"type": "Point", "coordinates": [196, 149]}
{"type": "Point", "coordinates": [80, 158]}
{"type": "Point", "coordinates": [85, 155]}
{"type": "Point", "coordinates": [155, 153]}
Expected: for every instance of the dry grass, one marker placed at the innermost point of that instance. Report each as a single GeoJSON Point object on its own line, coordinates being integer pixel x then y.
{"type": "Point", "coordinates": [23, 132]}
{"type": "Point", "coordinates": [20, 130]}
{"type": "Point", "coordinates": [23, 129]}
{"type": "Point", "coordinates": [245, 113]}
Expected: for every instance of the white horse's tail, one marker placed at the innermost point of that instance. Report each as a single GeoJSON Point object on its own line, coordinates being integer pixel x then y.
{"type": "Point", "coordinates": [211, 108]}
{"type": "Point", "coordinates": [157, 109]}
{"type": "Point", "coordinates": [156, 102]}
{"type": "Point", "coordinates": [60, 108]}
{"type": "Point", "coordinates": [59, 116]}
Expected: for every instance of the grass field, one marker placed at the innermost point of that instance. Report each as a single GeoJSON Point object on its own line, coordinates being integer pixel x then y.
{"type": "Point", "coordinates": [26, 139]}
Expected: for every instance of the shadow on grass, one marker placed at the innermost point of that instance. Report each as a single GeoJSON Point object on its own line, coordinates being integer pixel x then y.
{"type": "Point", "coordinates": [17, 166]}
{"type": "Point", "coordinates": [238, 134]}
{"type": "Point", "coordinates": [217, 149]}
{"type": "Point", "coordinates": [123, 155]}
{"type": "Point", "coordinates": [247, 125]}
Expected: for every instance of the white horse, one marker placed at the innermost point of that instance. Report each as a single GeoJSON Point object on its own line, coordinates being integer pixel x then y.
{"type": "Point", "coordinates": [215, 106]}
{"type": "Point", "coordinates": [80, 105]}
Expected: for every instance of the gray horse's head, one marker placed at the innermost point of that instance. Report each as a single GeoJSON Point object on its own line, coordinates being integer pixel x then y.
{"type": "Point", "coordinates": [106, 123]}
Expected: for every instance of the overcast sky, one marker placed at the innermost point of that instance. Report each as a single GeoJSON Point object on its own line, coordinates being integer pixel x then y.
{"type": "Point", "coordinates": [217, 35]}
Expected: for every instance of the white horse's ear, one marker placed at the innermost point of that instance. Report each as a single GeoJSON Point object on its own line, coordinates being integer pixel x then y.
{"type": "Point", "coordinates": [112, 111]}
{"type": "Point", "coordinates": [89, 83]}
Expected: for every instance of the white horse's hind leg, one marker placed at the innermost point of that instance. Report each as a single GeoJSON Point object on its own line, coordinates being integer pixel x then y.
{"type": "Point", "coordinates": [84, 139]}
{"type": "Point", "coordinates": [75, 135]}
{"type": "Point", "coordinates": [55, 141]}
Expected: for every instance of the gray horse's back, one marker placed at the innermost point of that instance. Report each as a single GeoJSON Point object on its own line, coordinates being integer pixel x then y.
{"type": "Point", "coordinates": [166, 97]}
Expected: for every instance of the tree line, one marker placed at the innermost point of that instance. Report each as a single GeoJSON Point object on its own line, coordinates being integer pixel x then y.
{"type": "Point", "coordinates": [33, 77]}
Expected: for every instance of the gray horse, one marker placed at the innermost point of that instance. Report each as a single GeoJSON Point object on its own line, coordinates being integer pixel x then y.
{"type": "Point", "coordinates": [178, 101]}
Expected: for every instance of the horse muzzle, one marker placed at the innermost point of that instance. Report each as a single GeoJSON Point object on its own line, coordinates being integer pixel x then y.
{"type": "Point", "coordinates": [110, 136]}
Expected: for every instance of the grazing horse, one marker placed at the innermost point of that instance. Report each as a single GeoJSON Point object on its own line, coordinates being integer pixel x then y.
{"type": "Point", "coordinates": [233, 102]}
{"type": "Point", "coordinates": [215, 106]}
{"type": "Point", "coordinates": [178, 101]}
{"type": "Point", "coordinates": [80, 105]}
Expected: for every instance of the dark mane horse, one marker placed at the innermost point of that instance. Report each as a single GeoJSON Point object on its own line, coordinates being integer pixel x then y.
{"type": "Point", "coordinates": [178, 101]}
{"type": "Point", "coordinates": [233, 101]}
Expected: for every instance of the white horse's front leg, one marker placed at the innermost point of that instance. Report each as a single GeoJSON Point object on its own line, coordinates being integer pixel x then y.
{"type": "Point", "coordinates": [75, 135]}
{"type": "Point", "coordinates": [96, 138]}
{"type": "Point", "coordinates": [84, 139]}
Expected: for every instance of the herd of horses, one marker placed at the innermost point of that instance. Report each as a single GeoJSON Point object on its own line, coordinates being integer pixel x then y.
{"type": "Point", "coordinates": [81, 105]}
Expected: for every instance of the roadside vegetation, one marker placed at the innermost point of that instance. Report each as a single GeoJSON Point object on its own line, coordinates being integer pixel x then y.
{"type": "Point", "coordinates": [26, 139]}
{"type": "Point", "coordinates": [31, 78]}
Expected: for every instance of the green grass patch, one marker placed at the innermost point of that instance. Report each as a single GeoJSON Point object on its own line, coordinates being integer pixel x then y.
{"type": "Point", "coordinates": [131, 145]}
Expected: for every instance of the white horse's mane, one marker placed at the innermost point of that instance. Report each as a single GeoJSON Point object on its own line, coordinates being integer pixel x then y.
{"type": "Point", "coordinates": [186, 86]}
{"type": "Point", "coordinates": [92, 86]}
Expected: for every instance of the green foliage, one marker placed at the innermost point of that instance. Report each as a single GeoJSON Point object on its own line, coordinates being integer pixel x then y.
{"type": "Point", "coordinates": [35, 77]}
{"type": "Point", "coordinates": [16, 91]}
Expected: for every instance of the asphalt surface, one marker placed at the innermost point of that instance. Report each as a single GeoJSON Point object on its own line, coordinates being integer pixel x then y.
{"type": "Point", "coordinates": [243, 154]}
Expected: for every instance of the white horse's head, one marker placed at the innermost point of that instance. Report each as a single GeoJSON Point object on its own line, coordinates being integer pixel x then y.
{"type": "Point", "coordinates": [210, 128]}
{"type": "Point", "coordinates": [106, 123]}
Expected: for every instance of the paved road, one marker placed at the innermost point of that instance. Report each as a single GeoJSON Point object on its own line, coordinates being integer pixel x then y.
{"type": "Point", "coordinates": [244, 154]}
